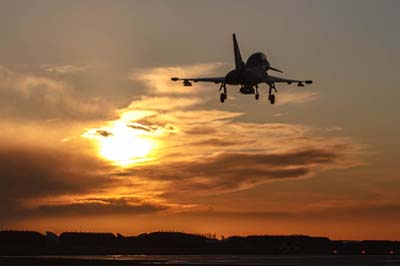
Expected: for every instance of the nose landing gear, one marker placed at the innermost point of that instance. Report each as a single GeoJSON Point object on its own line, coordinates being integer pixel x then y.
{"type": "Point", "coordinates": [257, 95]}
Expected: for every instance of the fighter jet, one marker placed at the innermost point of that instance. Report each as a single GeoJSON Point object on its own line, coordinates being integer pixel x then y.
{"type": "Point", "coordinates": [248, 75]}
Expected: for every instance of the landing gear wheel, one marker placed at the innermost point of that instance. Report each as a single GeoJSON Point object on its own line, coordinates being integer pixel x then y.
{"type": "Point", "coordinates": [222, 97]}
{"type": "Point", "coordinates": [271, 98]}
{"type": "Point", "coordinates": [257, 96]}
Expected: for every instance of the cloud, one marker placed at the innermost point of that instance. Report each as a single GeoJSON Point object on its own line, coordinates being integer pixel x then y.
{"type": "Point", "coordinates": [34, 94]}
{"type": "Point", "coordinates": [292, 97]}
{"type": "Point", "coordinates": [212, 152]}
{"type": "Point", "coordinates": [164, 103]}
{"type": "Point", "coordinates": [138, 126]}
{"type": "Point", "coordinates": [231, 171]}
{"type": "Point", "coordinates": [216, 142]}
{"type": "Point", "coordinates": [66, 69]}
{"type": "Point", "coordinates": [196, 150]}
{"type": "Point", "coordinates": [159, 79]}
{"type": "Point", "coordinates": [31, 171]}
{"type": "Point", "coordinates": [103, 133]}
{"type": "Point", "coordinates": [99, 206]}
{"type": "Point", "coordinates": [366, 212]}
{"type": "Point", "coordinates": [53, 182]}
{"type": "Point", "coordinates": [333, 129]}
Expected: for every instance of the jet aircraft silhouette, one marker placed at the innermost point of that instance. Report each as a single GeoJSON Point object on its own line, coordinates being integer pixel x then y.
{"type": "Point", "coordinates": [248, 75]}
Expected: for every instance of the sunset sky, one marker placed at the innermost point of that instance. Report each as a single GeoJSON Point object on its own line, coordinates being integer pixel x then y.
{"type": "Point", "coordinates": [95, 136]}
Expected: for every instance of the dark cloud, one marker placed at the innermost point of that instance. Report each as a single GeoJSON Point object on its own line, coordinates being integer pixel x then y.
{"type": "Point", "coordinates": [232, 171]}
{"type": "Point", "coordinates": [148, 120]}
{"type": "Point", "coordinates": [104, 133]}
{"type": "Point", "coordinates": [151, 127]}
{"type": "Point", "coordinates": [98, 207]}
{"type": "Point", "coordinates": [200, 130]}
{"type": "Point", "coordinates": [361, 212]}
{"type": "Point", "coordinates": [140, 127]}
{"type": "Point", "coordinates": [169, 128]}
{"type": "Point", "coordinates": [41, 182]}
{"type": "Point", "coordinates": [216, 142]}
{"type": "Point", "coordinates": [29, 173]}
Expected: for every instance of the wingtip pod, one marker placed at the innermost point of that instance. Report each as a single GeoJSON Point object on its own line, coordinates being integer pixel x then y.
{"type": "Point", "coordinates": [174, 79]}
{"type": "Point", "coordinates": [309, 81]}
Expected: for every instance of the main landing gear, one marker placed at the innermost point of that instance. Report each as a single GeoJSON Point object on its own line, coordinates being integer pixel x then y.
{"type": "Point", "coordinates": [271, 97]}
{"type": "Point", "coordinates": [223, 95]}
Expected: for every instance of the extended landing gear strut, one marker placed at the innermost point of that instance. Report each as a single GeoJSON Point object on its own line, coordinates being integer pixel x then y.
{"type": "Point", "coordinates": [271, 97]}
{"type": "Point", "coordinates": [257, 95]}
{"type": "Point", "coordinates": [223, 95]}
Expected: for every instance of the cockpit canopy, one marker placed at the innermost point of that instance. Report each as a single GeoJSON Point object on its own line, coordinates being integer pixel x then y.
{"type": "Point", "coordinates": [257, 59]}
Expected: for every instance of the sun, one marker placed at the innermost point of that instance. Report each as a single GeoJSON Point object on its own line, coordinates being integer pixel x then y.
{"type": "Point", "coordinates": [125, 150]}
{"type": "Point", "coordinates": [121, 145]}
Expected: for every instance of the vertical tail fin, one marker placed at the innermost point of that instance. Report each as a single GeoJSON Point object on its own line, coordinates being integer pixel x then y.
{"type": "Point", "coordinates": [238, 58]}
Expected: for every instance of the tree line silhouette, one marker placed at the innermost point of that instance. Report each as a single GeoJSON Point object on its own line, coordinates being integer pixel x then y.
{"type": "Point", "coordinates": [82, 243]}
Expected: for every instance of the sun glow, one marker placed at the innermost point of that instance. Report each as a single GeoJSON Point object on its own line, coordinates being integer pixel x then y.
{"type": "Point", "coordinates": [122, 145]}
{"type": "Point", "coordinates": [125, 150]}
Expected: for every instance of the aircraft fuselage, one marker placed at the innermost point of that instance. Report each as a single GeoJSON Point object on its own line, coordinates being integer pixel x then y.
{"type": "Point", "coordinates": [251, 73]}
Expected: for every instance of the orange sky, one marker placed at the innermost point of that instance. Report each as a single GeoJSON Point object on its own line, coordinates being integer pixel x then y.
{"type": "Point", "coordinates": [95, 137]}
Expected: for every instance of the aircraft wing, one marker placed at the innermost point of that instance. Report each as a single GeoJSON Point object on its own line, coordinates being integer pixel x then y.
{"type": "Point", "coordinates": [272, 79]}
{"type": "Point", "coordinates": [187, 81]}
